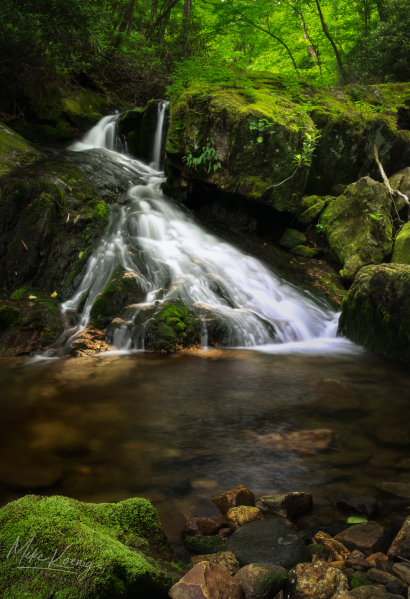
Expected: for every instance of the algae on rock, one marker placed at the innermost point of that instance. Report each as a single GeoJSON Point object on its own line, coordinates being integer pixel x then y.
{"type": "Point", "coordinates": [401, 249]}
{"type": "Point", "coordinates": [376, 310]}
{"type": "Point", "coordinates": [14, 150]}
{"type": "Point", "coordinates": [106, 549]}
{"type": "Point", "coordinates": [357, 226]}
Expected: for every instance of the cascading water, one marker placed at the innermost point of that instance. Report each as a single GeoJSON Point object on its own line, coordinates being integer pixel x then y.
{"type": "Point", "coordinates": [173, 257]}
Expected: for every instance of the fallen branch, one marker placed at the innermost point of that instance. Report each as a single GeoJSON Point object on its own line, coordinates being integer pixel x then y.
{"type": "Point", "coordinates": [393, 192]}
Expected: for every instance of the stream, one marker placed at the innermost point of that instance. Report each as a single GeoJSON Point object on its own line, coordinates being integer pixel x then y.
{"type": "Point", "coordinates": [179, 429]}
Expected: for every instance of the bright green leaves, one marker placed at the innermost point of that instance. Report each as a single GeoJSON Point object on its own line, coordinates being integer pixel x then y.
{"type": "Point", "coordinates": [207, 160]}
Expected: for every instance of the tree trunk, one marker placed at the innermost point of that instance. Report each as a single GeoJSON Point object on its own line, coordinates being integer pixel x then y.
{"type": "Point", "coordinates": [126, 21]}
{"type": "Point", "coordinates": [310, 46]}
{"type": "Point", "coordinates": [187, 10]}
{"type": "Point", "coordinates": [165, 23]}
{"type": "Point", "coordinates": [163, 16]}
{"type": "Point", "coordinates": [382, 10]}
{"type": "Point", "coordinates": [154, 7]}
{"type": "Point", "coordinates": [331, 40]}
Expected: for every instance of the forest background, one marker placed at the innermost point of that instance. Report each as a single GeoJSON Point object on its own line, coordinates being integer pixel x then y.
{"type": "Point", "coordinates": [135, 50]}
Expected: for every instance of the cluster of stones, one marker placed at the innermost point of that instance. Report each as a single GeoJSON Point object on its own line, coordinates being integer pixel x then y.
{"type": "Point", "coordinates": [256, 551]}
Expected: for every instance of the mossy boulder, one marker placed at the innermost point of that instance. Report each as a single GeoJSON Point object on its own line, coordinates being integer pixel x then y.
{"type": "Point", "coordinates": [14, 150]}
{"type": "Point", "coordinates": [401, 249]}
{"type": "Point", "coordinates": [245, 141]}
{"type": "Point", "coordinates": [401, 181]}
{"type": "Point", "coordinates": [9, 317]}
{"type": "Point", "coordinates": [304, 251]}
{"type": "Point", "coordinates": [311, 213]}
{"type": "Point", "coordinates": [205, 545]}
{"type": "Point", "coordinates": [357, 226]}
{"type": "Point", "coordinates": [126, 287]}
{"type": "Point", "coordinates": [292, 238]}
{"type": "Point", "coordinates": [88, 550]}
{"type": "Point", "coordinates": [376, 310]}
{"type": "Point", "coordinates": [167, 327]}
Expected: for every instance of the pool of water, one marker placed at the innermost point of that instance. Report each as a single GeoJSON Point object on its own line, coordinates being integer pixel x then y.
{"type": "Point", "coordinates": [180, 429]}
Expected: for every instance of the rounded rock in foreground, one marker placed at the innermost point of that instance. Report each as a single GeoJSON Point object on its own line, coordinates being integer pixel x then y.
{"type": "Point", "coordinates": [317, 581]}
{"type": "Point", "coordinates": [206, 581]}
{"type": "Point", "coordinates": [268, 542]}
{"type": "Point", "coordinates": [261, 581]}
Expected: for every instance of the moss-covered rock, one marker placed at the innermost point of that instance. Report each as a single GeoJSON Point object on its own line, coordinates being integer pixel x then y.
{"type": "Point", "coordinates": [88, 550]}
{"type": "Point", "coordinates": [9, 317]}
{"type": "Point", "coordinates": [246, 140]}
{"type": "Point", "coordinates": [167, 327]}
{"type": "Point", "coordinates": [138, 126]}
{"type": "Point", "coordinates": [401, 181]}
{"type": "Point", "coordinates": [292, 238]}
{"type": "Point", "coordinates": [376, 310]}
{"type": "Point", "coordinates": [205, 544]}
{"type": "Point", "coordinates": [304, 251]}
{"type": "Point", "coordinates": [123, 289]}
{"type": "Point", "coordinates": [359, 580]}
{"type": "Point", "coordinates": [357, 226]}
{"type": "Point", "coordinates": [14, 150]}
{"type": "Point", "coordinates": [311, 213]}
{"type": "Point", "coordinates": [401, 249]}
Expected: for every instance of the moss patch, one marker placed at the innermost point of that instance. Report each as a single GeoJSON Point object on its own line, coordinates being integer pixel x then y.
{"type": "Point", "coordinates": [9, 317]}
{"type": "Point", "coordinates": [14, 150]}
{"type": "Point", "coordinates": [205, 545]}
{"type": "Point", "coordinates": [401, 249]}
{"type": "Point", "coordinates": [124, 288]}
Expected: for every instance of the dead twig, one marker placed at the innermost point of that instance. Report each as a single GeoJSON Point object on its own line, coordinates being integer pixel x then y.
{"type": "Point", "coordinates": [24, 244]}
{"type": "Point", "coordinates": [393, 192]}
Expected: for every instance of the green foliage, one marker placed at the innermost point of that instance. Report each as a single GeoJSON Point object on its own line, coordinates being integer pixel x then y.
{"type": "Point", "coordinates": [207, 160]}
{"type": "Point", "coordinates": [101, 210]}
{"type": "Point", "coordinates": [19, 294]}
{"type": "Point", "coordinates": [308, 147]}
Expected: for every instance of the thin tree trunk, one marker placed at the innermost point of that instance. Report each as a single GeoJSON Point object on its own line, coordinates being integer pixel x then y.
{"type": "Point", "coordinates": [165, 24]}
{"type": "Point", "coordinates": [331, 40]}
{"type": "Point", "coordinates": [165, 15]}
{"type": "Point", "coordinates": [382, 10]}
{"type": "Point", "coordinates": [154, 6]}
{"type": "Point", "coordinates": [309, 43]}
{"type": "Point", "coordinates": [187, 10]}
{"type": "Point", "coordinates": [126, 21]}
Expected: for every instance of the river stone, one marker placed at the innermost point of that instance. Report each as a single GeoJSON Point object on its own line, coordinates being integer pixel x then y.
{"type": "Point", "coordinates": [338, 552]}
{"type": "Point", "coordinates": [240, 495]}
{"type": "Point", "coordinates": [268, 542]}
{"type": "Point", "coordinates": [376, 310]}
{"type": "Point", "coordinates": [261, 581]}
{"type": "Point", "coordinates": [363, 506]}
{"type": "Point", "coordinates": [203, 526]}
{"type": "Point", "coordinates": [317, 581]}
{"type": "Point", "coordinates": [355, 237]}
{"type": "Point", "coordinates": [291, 238]}
{"type": "Point", "coordinates": [399, 489]}
{"type": "Point", "coordinates": [304, 251]}
{"type": "Point", "coordinates": [401, 543]}
{"type": "Point", "coordinates": [244, 514]}
{"type": "Point", "coordinates": [289, 505]}
{"type": "Point", "coordinates": [308, 215]}
{"type": "Point", "coordinates": [303, 442]}
{"type": "Point", "coordinates": [223, 559]}
{"type": "Point", "coordinates": [402, 571]}
{"type": "Point", "coordinates": [370, 592]}
{"type": "Point", "coordinates": [367, 538]}
{"type": "Point", "coordinates": [206, 581]}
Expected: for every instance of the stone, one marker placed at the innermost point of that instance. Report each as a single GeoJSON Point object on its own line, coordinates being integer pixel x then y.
{"type": "Point", "coordinates": [363, 506]}
{"type": "Point", "coordinates": [125, 537]}
{"type": "Point", "coordinates": [356, 555]}
{"type": "Point", "coordinates": [14, 150]}
{"type": "Point", "coordinates": [341, 565]}
{"type": "Point", "coordinates": [240, 495]}
{"type": "Point", "coordinates": [123, 289]}
{"type": "Point", "coordinates": [204, 544]}
{"type": "Point", "coordinates": [401, 543]}
{"type": "Point", "coordinates": [317, 581]}
{"type": "Point", "coordinates": [367, 538]}
{"type": "Point", "coordinates": [302, 442]}
{"type": "Point", "coordinates": [359, 579]}
{"type": "Point", "coordinates": [357, 226]}
{"type": "Point", "coordinates": [360, 564]}
{"type": "Point", "coordinates": [90, 342]}
{"type": "Point", "coordinates": [399, 489]}
{"type": "Point", "coordinates": [338, 552]}
{"type": "Point", "coordinates": [292, 238]}
{"type": "Point", "coordinates": [304, 251]}
{"type": "Point", "coordinates": [268, 542]}
{"type": "Point", "coordinates": [380, 577]}
{"type": "Point", "coordinates": [370, 592]}
{"type": "Point", "coordinates": [261, 581]}
{"type": "Point", "coordinates": [378, 560]}
{"type": "Point", "coordinates": [308, 522]}
{"type": "Point", "coordinates": [224, 533]}
{"type": "Point", "coordinates": [203, 526]}
{"type": "Point", "coordinates": [338, 190]}
{"type": "Point", "coordinates": [223, 559]}
{"type": "Point", "coordinates": [401, 182]}
{"type": "Point", "coordinates": [402, 571]}
{"type": "Point", "coordinates": [289, 505]}
{"type": "Point", "coordinates": [393, 434]}
{"type": "Point", "coordinates": [306, 217]}
{"type": "Point", "coordinates": [244, 514]}
{"type": "Point", "coordinates": [206, 581]}
{"type": "Point", "coordinates": [376, 310]}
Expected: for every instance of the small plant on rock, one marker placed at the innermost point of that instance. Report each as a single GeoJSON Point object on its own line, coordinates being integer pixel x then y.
{"type": "Point", "coordinates": [207, 160]}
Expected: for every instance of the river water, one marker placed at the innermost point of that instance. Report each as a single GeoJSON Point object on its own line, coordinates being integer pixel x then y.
{"type": "Point", "coordinates": [180, 429]}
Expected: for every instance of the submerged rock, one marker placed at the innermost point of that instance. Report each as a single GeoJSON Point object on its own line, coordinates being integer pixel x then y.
{"type": "Point", "coordinates": [376, 310]}
{"type": "Point", "coordinates": [125, 287]}
{"type": "Point", "coordinates": [289, 505]}
{"type": "Point", "coordinates": [108, 548]}
{"type": "Point", "coordinates": [303, 442]}
{"type": "Point", "coordinates": [244, 514]}
{"type": "Point", "coordinates": [357, 226]}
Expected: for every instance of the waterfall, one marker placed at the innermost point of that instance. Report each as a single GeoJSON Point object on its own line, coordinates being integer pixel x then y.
{"type": "Point", "coordinates": [182, 260]}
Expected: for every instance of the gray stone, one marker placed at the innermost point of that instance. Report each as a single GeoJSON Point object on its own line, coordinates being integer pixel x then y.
{"type": "Point", "coordinates": [380, 577]}
{"type": "Point", "coordinates": [268, 542]}
{"type": "Point", "coordinates": [363, 506]}
{"type": "Point", "coordinates": [261, 581]}
{"type": "Point", "coordinates": [402, 571]}
{"type": "Point", "coordinates": [401, 543]}
{"type": "Point", "coordinates": [370, 592]}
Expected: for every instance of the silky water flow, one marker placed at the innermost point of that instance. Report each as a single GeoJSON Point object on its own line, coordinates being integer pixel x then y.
{"type": "Point", "coordinates": [172, 256]}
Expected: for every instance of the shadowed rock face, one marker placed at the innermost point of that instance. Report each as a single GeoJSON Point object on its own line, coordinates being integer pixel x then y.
{"type": "Point", "coordinates": [376, 310]}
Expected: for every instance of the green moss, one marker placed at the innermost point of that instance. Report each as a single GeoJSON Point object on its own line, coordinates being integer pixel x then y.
{"type": "Point", "coordinates": [205, 545]}
{"type": "Point", "coordinates": [270, 584]}
{"type": "Point", "coordinates": [124, 288]}
{"type": "Point", "coordinates": [310, 214]}
{"type": "Point", "coordinates": [401, 249]}
{"type": "Point", "coordinates": [19, 294]}
{"type": "Point", "coordinates": [359, 580]}
{"type": "Point", "coordinates": [302, 250]}
{"type": "Point", "coordinates": [14, 150]}
{"type": "Point", "coordinates": [9, 317]}
{"type": "Point", "coordinates": [118, 546]}
{"type": "Point", "coordinates": [292, 238]}
{"type": "Point", "coordinates": [101, 210]}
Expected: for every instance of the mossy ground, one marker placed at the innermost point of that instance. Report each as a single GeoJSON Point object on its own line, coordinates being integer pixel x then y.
{"type": "Point", "coordinates": [114, 549]}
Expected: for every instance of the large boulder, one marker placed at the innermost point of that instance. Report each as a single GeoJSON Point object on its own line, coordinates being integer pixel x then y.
{"type": "Point", "coordinates": [401, 249]}
{"type": "Point", "coordinates": [98, 550]}
{"type": "Point", "coordinates": [357, 226]}
{"type": "Point", "coordinates": [376, 310]}
{"type": "Point", "coordinates": [240, 141]}
{"type": "Point", "coordinates": [268, 542]}
{"type": "Point", "coordinates": [14, 150]}
{"type": "Point", "coordinates": [138, 127]}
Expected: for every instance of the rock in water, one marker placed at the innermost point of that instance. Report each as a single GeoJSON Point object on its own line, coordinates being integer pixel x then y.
{"type": "Point", "coordinates": [268, 542]}
{"type": "Point", "coordinates": [109, 546]}
{"type": "Point", "coordinates": [401, 250]}
{"type": "Point", "coordinates": [240, 495]}
{"type": "Point", "coordinates": [401, 544]}
{"type": "Point", "coordinates": [338, 552]}
{"type": "Point", "coordinates": [317, 581]}
{"type": "Point", "coordinates": [363, 506]}
{"type": "Point", "coordinates": [368, 538]}
{"type": "Point", "coordinates": [203, 526]}
{"type": "Point", "coordinates": [206, 581]}
{"type": "Point", "coordinates": [261, 581]}
{"type": "Point", "coordinates": [244, 514]}
{"type": "Point", "coordinates": [376, 310]}
{"type": "Point", "coordinates": [303, 442]}
{"type": "Point", "coordinates": [223, 559]}
{"type": "Point", "coordinates": [357, 225]}
{"type": "Point", "coordinates": [289, 505]}
{"type": "Point", "coordinates": [370, 592]}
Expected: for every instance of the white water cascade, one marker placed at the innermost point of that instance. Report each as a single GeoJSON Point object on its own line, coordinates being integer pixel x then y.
{"type": "Point", "coordinates": [160, 243]}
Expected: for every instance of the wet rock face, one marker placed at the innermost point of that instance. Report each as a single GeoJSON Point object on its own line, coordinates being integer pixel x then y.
{"type": "Point", "coordinates": [268, 542]}
{"type": "Point", "coordinates": [376, 310]}
{"type": "Point", "coordinates": [357, 226]}
{"type": "Point", "coordinates": [138, 128]}
{"type": "Point", "coordinates": [401, 249]}
{"type": "Point", "coordinates": [289, 505]}
{"type": "Point", "coordinates": [261, 581]}
{"type": "Point", "coordinates": [207, 581]}
{"type": "Point", "coordinates": [90, 342]}
{"type": "Point", "coordinates": [367, 538]}
{"type": "Point", "coordinates": [317, 581]}
{"type": "Point", "coordinates": [401, 544]}
{"type": "Point", "coordinates": [240, 495]}
{"type": "Point", "coordinates": [204, 526]}
{"type": "Point", "coordinates": [223, 559]}
{"type": "Point", "coordinates": [14, 150]}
